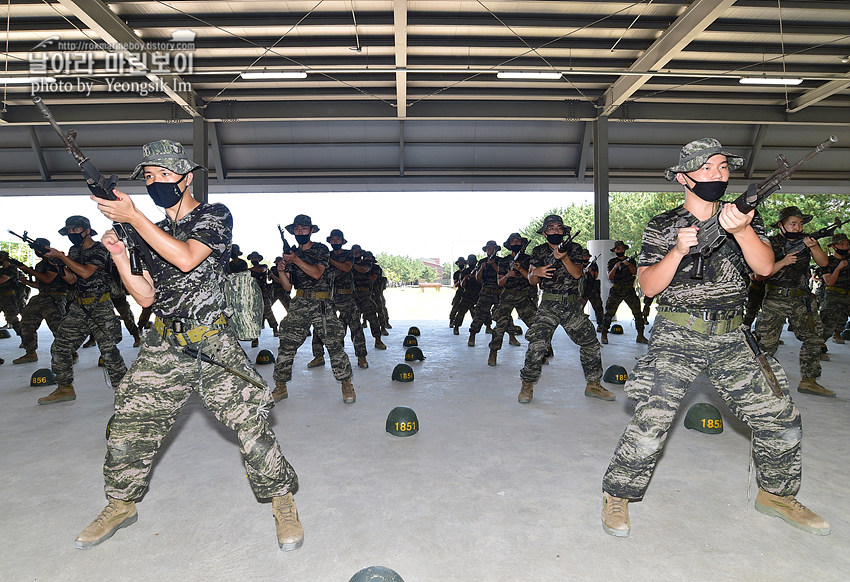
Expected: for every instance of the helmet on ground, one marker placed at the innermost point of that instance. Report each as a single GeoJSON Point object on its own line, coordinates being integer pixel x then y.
{"type": "Point", "coordinates": [704, 418]}
{"type": "Point", "coordinates": [403, 373]}
{"type": "Point", "coordinates": [517, 330]}
{"type": "Point", "coordinates": [109, 426]}
{"type": "Point", "coordinates": [845, 334]}
{"type": "Point", "coordinates": [616, 375]}
{"type": "Point", "coordinates": [265, 357]}
{"type": "Point", "coordinates": [376, 574]}
{"type": "Point", "coordinates": [402, 421]}
{"type": "Point", "coordinates": [413, 353]}
{"type": "Point", "coordinates": [4, 333]}
{"type": "Point", "coordinates": [43, 377]}
{"type": "Point", "coordinates": [100, 362]}
{"type": "Point", "coordinates": [413, 331]}
{"type": "Point", "coordinates": [410, 340]}
{"type": "Point", "coordinates": [617, 328]}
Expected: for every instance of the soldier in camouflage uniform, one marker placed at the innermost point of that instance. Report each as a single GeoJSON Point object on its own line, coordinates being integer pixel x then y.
{"type": "Point", "coordinates": [787, 296]}
{"type": "Point", "coordinates": [592, 288]}
{"type": "Point", "coordinates": [236, 264]}
{"type": "Point", "coordinates": [486, 273]}
{"type": "Point", "coordinates": [260, 273]}
{"type": "Point", "coordinates": [379, 284]}
{"type": "Point", "coordinates": [621, 273]}
{"type": "Point", "coordinates": [184, 283]}
{"type": "Point", "coordinates": [470, 289]}
{"type": "Point", "coordinates": [558, 274]}
{"type": "Point", "coordinates": [698, 329]}
{"type": "Point", "coordinates": [461, 264]}
{"type": "Point", "coordinates": [836, 280]}
{"type": "Point", "coordinates": [755, 296]}
{"type": "Point", "coordinates": [513, 279]}
{"type": "Point", "coordinates": [48, 305]}
{"type": "Point", "coordinates": [87, 267]}
{"type": "Point", "coordinates": [119, 299]}
{"type": "Point", "coordinates": [362, 273]}
{"type": "Point", "coordinates": [306, 269]}
{"type": "Point", "coordinates": [278, 294]}
{"type": "Point", "coordinates": [8, 290]}
{"type": "Point", "coordinates": [341, 262]}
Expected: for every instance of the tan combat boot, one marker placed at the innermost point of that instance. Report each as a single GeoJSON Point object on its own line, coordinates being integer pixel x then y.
{"type": "Point", "coordinates": [115, 515]}
{"type": "Point", "coordinates": [316, 362]}
{"type": "Point", "coordinates": [604, 339]}
{"type": "Point", "coordinates": [526, 393]}
{"type": "Point", "coordinates": [491, 361]}
{"type": "Point", "coordinates": [290, 533]}
{"type": "Point", "coordinates": [379, 345]}
{"type": "Point", "coordinates": [456, 330]}
{"type": "Point", "coordinates": [348, 395]}
{"type": "Point", "coordinates": [513, 341]}
{"type": "Point", "coordinates": [361, 362]}
{"type": "Point", "coordinates": [792, 511]}
{"type": "Point", "coordinates": [836, 337]}
{"type": "Point", "coordinates": [641, 339]}
{"type": "Point", "coordinates": [384, 331]}
{"type": "Point", "coordinates": [471, 341]}
{"type": "Point", "coordinates": [137, 340]}
{"type": "Point", "coordinates": [63, 393]}
{"type": "Point", "coordinates": [811, 386]}
{"type": "Point", "coordinates": [26, 358]}
{"type": "Point", "coordinates": [279, 393]}
{"type": "Point", "coordinates": [596, 390]}
{"type": "Point", "coordinates": [255, 343]}
{"type": "Point", "coordinates": [615, 516]}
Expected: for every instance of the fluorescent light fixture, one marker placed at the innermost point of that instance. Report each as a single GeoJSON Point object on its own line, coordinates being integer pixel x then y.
{"type": "Point", "coordinates": [768, 81]}
{"type": "Point", "coordinates": [550, 75]}
{"type": "Point", "coordinates": [6, 80]}
{"type": "Point", "coordinates": [275, 75]}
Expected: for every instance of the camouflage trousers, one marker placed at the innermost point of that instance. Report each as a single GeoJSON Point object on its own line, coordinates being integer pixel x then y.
{"type": "Point", "coordinates": [676, 356]}
{"type": "Point", "coordinates": [42, 307]}
{"type": "Point", "coordinates": [280, 295]}
{"type": "Point", "coordinates": [466, 304]}
{"type": "Point", "coordinates": [834, 313]}
{"type": "Point", "coordinates": [381, 308]}
{"type": "Point", "coordinates": [73, 331]}
{"type": "Point", "coordinates": [570, 316]}
{"type": "Point", "coordinates": [123, 307]}
{"type": "Point", "coordinates": [617, 295]}
{"type": "Point", "coordinates": [771, 320]}
{"type": "Point", "coordinates": [455, 305]}
{"type": "Point", "coordinates": [369, 311]}
{"type": "Point", "coordinates": [268, 314]}
{"type": "Point", "coordinates": [294, 328]}
{"type": "Point", "coordinates": [595, 301]}
{"type": "Point", "coordinates": [149, 399]}
{"type": "Point", "coordinates": [483, 313]}
{"type": "Point", "coordinates": [9, 308]}
{"type": "Point", "coordinates": [755, 295]}
{"type": "Point", "coordinates": [349, 315]}
{"type": "Point", "coordinates": [507, 303]}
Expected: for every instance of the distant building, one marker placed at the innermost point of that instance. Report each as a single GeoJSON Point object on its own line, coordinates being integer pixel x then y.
{"type": "Point", "coordinates": [434, 264]}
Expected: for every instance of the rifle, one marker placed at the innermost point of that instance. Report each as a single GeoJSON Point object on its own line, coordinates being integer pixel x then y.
{"type": "Point", "coordinates": [287, 248]}
{"type": "Point", "coordinates": [40, 249]}
{"type": "Point", "coordinates": [711, 236]}
{"type": "Point", "coordinates": [102, 187]}
{"type": "Point", "coordinates": [628, 259]}
{"type": "Point", "coordinates": [795, 246]}
{"type": "Point", "coordinates": [562, 248]}
{"type": "Point", "coordinates": [590, 262]}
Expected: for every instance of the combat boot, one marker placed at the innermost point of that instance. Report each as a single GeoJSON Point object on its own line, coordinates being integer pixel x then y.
{"type": "Point", "coordinates": [255, 343]}
{"type": "Point", "coordinates": [513, 341]}
{"type": "Point", "coordinates": [361, 362]}
{"type": "Point", "coordinates": [811, 386]}
{"type": "Point", "coordinates": [824, 357]}
{"type": "Point", "coordinates": [379, 345]}
{"type": "Point", "coordinates": [615, 515]}
{"type": "Point", "coordinates": [526, 393]}
{"type": "Point", "coordinates": [316, 362]}
{"type": "Point", "coordinates": [388, 326]}
{"type": "Point", "coordinates": [75, 358]}
{"type": "Point", "coordinates": [137, 340]}
{"type": "Point", "coordinates": [456, 330]}
{"type": "Point", "coordinates": [595, 390]}
{"type": "Point", "coordinates": [384, 331]}
{"type": "Point", "coordinates": [604, 339]}
{"type": "Point", "coordinates": [488, 329]}
{"type": "Point", "coordinates": [491, 361]}
{"type": "Point", "coordinates": [471, 341]}
{"type": "Point", "coordinates": [63, 393]}
{"type": "Point", "coordinates": [2, 361]}
{"type": "Point", "coordinates": [290, 533]}
{"type": "Point", "coordinates": [28, 357]}
{"type": "Point", "coordinates": [279, 393]}
{"type": "Point", "coordinates": [348, 395]}
{"type": "Point", "coordinates": [836, 337]}
{"type": "Point", "coordinates": [795, 513]}
{"type": "Point", "coordinates": [91, 342]}
{"type": "Point", "coordinates": [115, 515]}
{"type": "Point", "coordinates": [641, 339]}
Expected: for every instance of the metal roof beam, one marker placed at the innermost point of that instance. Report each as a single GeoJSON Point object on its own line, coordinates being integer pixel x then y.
{"type": "Point", "coordinates": [39, 154]}
{"type": "Point", "coordinates": [813, 96]}
{"type": "Point", "coordinates": [756, 149]}
{"type": "Point", "coordinates": [400, 25]}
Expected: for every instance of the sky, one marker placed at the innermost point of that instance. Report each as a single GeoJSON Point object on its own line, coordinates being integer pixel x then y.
{"type": "Point", "coordinates": [441, 225]}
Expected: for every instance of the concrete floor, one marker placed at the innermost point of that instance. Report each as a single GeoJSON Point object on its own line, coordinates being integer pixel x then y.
{"type": "Point", "coordinates": [488, 490]}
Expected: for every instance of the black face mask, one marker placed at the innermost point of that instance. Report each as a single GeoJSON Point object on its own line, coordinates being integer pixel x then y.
{"type": "Point", "coordinates": [336, 247]}
{"type": "Point", "coordinates": [794, 235]}
{"type": "Point", "coordinates": [302, 238]}
{"type": "Point", "coordinates": [165, 194]}
{"type": "Point", "coordinates": [623, 254]}
{"type": "Point", "coordinates": [554, 239]}
{"type": "Point", "coordinates": [76, 238]}
{"type": "Point", "coordinates": [516, 248]}
{"type": "Point", "coordinates": [709, 191]}
{"type": "Point", "coordinates": [839, 252]}
{"type": "Point", "coordinates": [255, 263]}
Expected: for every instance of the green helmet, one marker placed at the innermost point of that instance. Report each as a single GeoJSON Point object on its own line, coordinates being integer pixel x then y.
{"type": "Point", "coordinates": [376, 574]}
{"type": "Point", "coordinates": [704, 418]}
{"type": "Point", "coordinates": [413, 331]}
{"type": "Point", "coordinates": [410, 340]}
{"type": "Point", "coordinates": [617, 329]}
{"type": "Point", "coordinates": [265, 357]}
{"type": "Point", "coordinates": [109, 426]}
{"type": "Point", "coordinates": [43, 377]}
{"type": "Point", "coordinates": [4, 333]}
{"type": "Point", "coordinates": [402, 421]}
{"type": "Point", "coordinates": [517, 330]}
{"type": "Point", "coordinates": [845, 334]}
{"type": "Point", "coordinates": [403, 373]}
{"type": "Point", "coordinates": [413, 353]}
{"type": "Point", "coordinates": [616, 375]}
{"type": "Point", "coordinates": [100, 362]}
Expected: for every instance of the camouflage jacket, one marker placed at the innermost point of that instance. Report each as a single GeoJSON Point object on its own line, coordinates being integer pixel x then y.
{"type": "Point", "coordinates": [793, 276]}
{"type": "Point", "coordinates": [98, 284]}
{"type": "Point", "coordinates": [471, 288]}
{"type": "Point", "coordinates": [489, 276]}
{"type": "Point", "coordinates": [362, 279]}
{"type": "Point", "coordinates": [12, 272]}
{"type": "Point", "coordinates": [561, 281]}
{"type": "Point", "coordinates": [623, 276]}
{"type": "Point", "coordinates": [317, 254]}
{"type": "Point", "coordinates": [517, 282]}
{"type": "Point", "coordinates": [341, 279]}
{"type": "Point", "coordinates": [57, 285]}
{"type": "Point", "coordinates": [843, 280]}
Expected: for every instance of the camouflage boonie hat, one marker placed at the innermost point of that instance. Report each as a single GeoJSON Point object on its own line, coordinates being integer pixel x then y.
{"type": "Point", "coordinates": [618, 243]}
{"type": "Point", "coordinates": [74, 222]}
{"type": "Point", "coordinates": [471, 259]}
{"type": "Point", "coordinates": [507, 242]}
{"type": "Point", "coordinates": [165, 154]}
{"type": "Point", "coordinates": [789, 211]}
{"type": "Point", "coordinates": [460, 261]}
{"type": "Point", "coordinates": [301, 220]}
{"type": "Point", "coordinates": [491, 243]}
{"type": "Point", "coordinates": [254, 254]}
{"type": "Point", "coordinates": [553, 219]}
{"type": "Point", "coordinates": [42, 242]}
{"type": "Point", "coordinates": [837, 238]}
{"type": "Point", "coordinates": [696, 153]}
{"type": "Point", "coordinates": [336, 232]}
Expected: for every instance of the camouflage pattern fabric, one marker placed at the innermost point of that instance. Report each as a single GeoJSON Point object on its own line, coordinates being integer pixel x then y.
{"type": "Point", "coordinates": [349, 315]}
{"type": "Point", "coordinates": [482, 314]}
{"type": "Point", "coordinates": [157, 386]}
{"type": "Point", "coordinates": [774, 310]}
{"type": "Point", "coordinates": [592, 293]}
{"type": "Point", "coordinates": [73, 331]}
{"type": "Point", "coordinates": [617, 295]}
{"type": "Point", "coordinates": [661, 378]}
{"type": "Point", "coordinates": [510, 299]}
{"type": "Point", "coordinates": [561, 280]}
{"type": "Point", "coordinates": [363, 295]}
{"type": "Point", "coordinates": [378, 286]}
{"type": "Point", "coordinates": [123, 307]}
{"type": "Point", "coordinates": [470, 289]}
{"type": "Point", "coordinates": [9, 308]}
{"type": "Point", "coordinates": [46, 307]}
{"type": "Point", "coordinates": [96, 255]}
{"type": "Point", "coordinates": [303, 313]}
{"type": "Point", "coordinates": [836, 304]}
{"type": "Point", "coordinates": [755, 295]}
{"type": "Point", "coordinates": [261, 277]}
